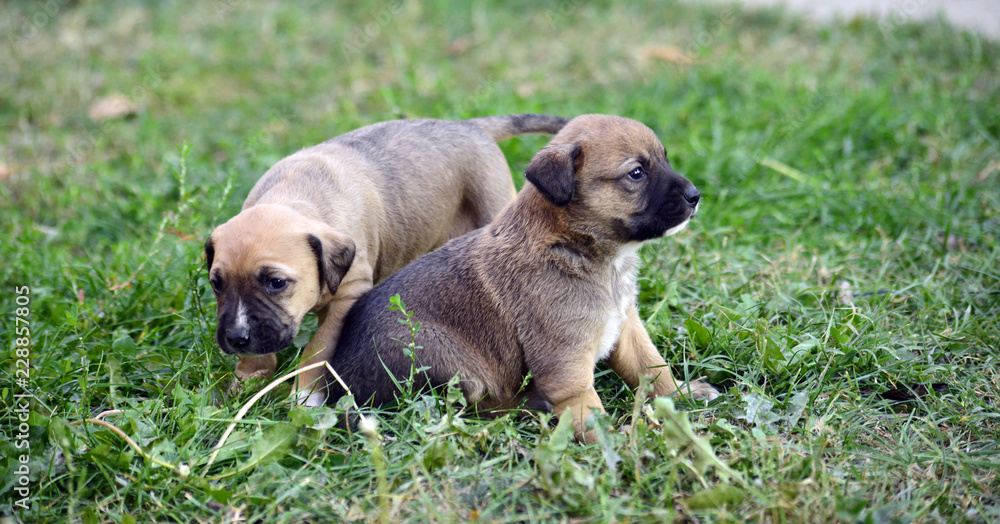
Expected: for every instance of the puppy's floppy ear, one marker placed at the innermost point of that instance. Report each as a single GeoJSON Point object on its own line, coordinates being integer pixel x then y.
{"type": "Point", "coordinates": [209, 253]}
{"type": "Point", "coordinates": [552, 170]}
{"type": "Point", "coordinates": [334, 255]}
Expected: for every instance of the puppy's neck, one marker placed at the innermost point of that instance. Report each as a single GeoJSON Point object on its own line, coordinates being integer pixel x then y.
{"type": "Point", "coordinates": [532, 220]}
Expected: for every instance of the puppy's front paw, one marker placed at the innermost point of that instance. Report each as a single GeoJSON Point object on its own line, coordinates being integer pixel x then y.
{"type": "Point", "coordinates": [698, 390]}
{"type": "Point", "coordinates": [260, 373]}
{"type": "Point", "coordinates": [258, 366]}
{"type": "Point", "coordinates": [309, 399]}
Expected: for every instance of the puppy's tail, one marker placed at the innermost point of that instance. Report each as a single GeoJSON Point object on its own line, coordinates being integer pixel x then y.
{"type": "Point", "coordinates": [507, 126]}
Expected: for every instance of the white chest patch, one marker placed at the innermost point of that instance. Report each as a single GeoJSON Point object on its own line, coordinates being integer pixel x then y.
{"type": "Point", "coordinates": [623, 291]}
{"type": "Point", "coordinates": [612, 328]}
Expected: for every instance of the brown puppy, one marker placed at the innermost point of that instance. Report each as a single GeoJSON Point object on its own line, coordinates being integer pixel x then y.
{"type": "Point", "coordinates": [548, 288]}
{"type": "Point", "coordinates": [326, 223]}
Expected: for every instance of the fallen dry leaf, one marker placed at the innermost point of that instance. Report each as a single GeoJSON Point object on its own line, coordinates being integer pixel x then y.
{"type": "Point", "coordinates": [459, 45]}
{"type": "Point", "coordinates": [665, 52]}
{"type": "Point", "coordinates": [111, 107]}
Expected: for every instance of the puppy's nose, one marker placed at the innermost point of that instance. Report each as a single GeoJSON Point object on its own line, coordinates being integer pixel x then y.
{"type": "Point", "coordinates": [238, 338]}
{"type": "Point", "coordinates": [692, 196]}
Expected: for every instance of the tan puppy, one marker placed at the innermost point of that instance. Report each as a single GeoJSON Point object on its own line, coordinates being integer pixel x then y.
{"type": "Point", "coordinates": [326, 223]}
{"type": "Point", "coordinates": [548, 288]}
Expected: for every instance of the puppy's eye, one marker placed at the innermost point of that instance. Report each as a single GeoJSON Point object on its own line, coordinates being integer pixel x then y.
{"type": "Point", "coordinates": [637, 174]}
{"type": "Point", "coordinates": [216, 285]}
{"type": "Point", "coordinates": [277, 284]}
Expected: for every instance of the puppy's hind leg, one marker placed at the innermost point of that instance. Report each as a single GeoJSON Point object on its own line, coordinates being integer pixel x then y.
{"type": "Point", "coordinates": [570, 388]}
{"type": "Point", "coordinates": [635, 355]}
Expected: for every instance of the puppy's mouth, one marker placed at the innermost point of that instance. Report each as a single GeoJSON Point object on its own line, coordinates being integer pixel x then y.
{"type": "Point", "coordinates": [678, 228]}
{"type": "Point", "coordinates": [665, 221]}
{"type": "Point", "coordinates": [243, 355]}
{"type": "Point", "coordinates": [684, 224]}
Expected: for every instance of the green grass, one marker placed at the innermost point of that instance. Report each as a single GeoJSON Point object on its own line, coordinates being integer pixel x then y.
{"type": "Point", "coordinates": [848, 245]}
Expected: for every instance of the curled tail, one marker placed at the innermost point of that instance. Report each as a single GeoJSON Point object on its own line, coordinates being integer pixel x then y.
{"type": "Point", "coordinates": [507, 126]}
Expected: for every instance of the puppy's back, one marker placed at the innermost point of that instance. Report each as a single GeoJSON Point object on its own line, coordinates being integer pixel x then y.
{"type": "Point", "coordinates": [453, 308]}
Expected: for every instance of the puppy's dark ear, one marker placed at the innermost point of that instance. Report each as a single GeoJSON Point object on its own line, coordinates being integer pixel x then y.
{"type": "Point", "coordinates": [552, 170]}
{"type": "Point", "coordinates": [334, 255]}
{"type": "Point", "coordinates": [209, 253]}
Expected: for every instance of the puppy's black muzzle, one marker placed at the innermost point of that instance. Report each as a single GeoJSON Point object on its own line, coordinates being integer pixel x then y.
{"type": "Point", "coordinates": [262, 331]}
